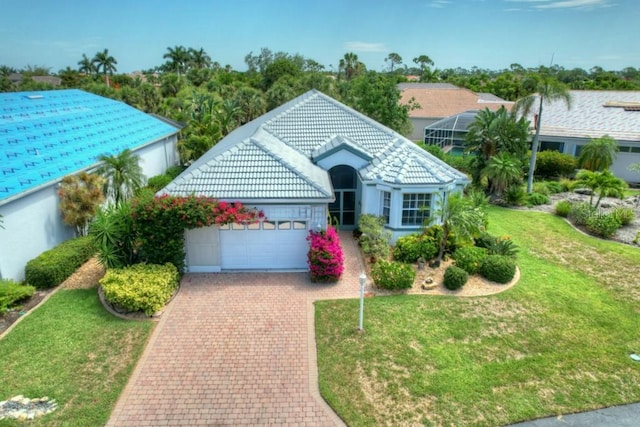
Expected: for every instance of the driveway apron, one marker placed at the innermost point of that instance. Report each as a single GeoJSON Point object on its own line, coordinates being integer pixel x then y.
{"type": "Point", "coordinates": [236, 349]}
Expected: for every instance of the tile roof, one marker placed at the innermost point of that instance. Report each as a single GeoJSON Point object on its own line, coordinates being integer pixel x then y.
{"type": "Point", "coordinates": [47, 135]}
{"type": "Point", "coordinates": [589, 117]}
{"type": "Point", "coordinates": [440, 102]}
{"type": "Point", "coordinates": [270, 158]}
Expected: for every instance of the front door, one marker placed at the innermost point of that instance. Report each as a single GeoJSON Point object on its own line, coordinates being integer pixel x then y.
{"type": "Point", "coordinates": [345, 186]}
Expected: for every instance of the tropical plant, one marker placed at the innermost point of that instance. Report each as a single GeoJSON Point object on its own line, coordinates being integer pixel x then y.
{"type": "Point", "coordinates": [502, 171]}
{"type": "Point", "coordinates": [350, 66]}
{"type": "Point", "coordinates": [536, 199]}
{"type": "Point", "coordinates": [114, 237]}
{"type": "Point", "coordinates": [199, 58]}
{"type": "Point", "coordinates": [603, 184]}
{"type": "Point", "coordinates": [122, 174]}
{"type": "Point", "coordinates": [581, 212]}
{"type": "Point", "coordinates": [459, 216]}
{"type": "Point", "coordinates": [548, 90]}
{"type": "Point", "coordinates": [598, 154]}
{"type": "Point", "coordinates": [623, 214]}
{"type": "Point", "coordinates": [178, 59]}
{"type": "Point", "coordinates": [563, 208]}
{"type": "Point", "coordinates": [374, 240]}
{"type": "Point", "coordinates": [105, 63]}
{"type": "Point", "coordinates": [86, 65]}
{"type": "Point", "coordinates": [80, 196]}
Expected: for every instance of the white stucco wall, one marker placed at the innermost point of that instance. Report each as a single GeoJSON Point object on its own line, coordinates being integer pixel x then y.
{"type": "Point", "coordinates": [33, 223]}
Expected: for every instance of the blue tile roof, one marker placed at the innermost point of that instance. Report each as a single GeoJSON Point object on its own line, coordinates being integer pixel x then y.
{"type": "Point", "coordinates": [47, 135]}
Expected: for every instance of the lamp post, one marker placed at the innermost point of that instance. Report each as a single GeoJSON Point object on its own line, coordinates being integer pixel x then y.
{"type": "Point", "coordinates": [363, 279]}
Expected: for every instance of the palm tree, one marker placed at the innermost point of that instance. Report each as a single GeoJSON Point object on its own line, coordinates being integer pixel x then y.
{"type": "Point", "coordinates": [461, 216]}
{"type": "Point", "coordinates": [548, 90]}
{"type": "Point", "coordinates": [103, 61]}
{"type": "Point", "coordinates": [350, 66]}
{"type": "Point", "coordinates": [199, 58]}
{"type": "Point", "coordinates": [502, 171]}
{"type": "Point", "coordinates": [603, 184]}
{"type": "Point", "coordinates": [123, 175]}
{"type": "Point", "coordinates": [86, 65]}
{"type": "Point", "coordinates": [599, 154]}
{"type": "Point", "coordinates": [178, 59]}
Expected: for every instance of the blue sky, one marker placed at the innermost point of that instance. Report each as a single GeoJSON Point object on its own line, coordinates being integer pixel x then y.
{"type": "Point", "coordinates": [484, 33]}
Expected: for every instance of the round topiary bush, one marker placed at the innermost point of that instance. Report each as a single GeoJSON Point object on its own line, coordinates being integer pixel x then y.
{"type": "Point", "coordinates": [498, 268]}
{"type": "Point", "coordinates": [455, 278]}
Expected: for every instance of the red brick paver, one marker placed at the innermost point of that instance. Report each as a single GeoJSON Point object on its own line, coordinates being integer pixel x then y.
{"type": "Point", "coordinates": [236, 349]}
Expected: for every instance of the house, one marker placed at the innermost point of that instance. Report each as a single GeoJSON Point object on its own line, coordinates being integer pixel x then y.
{"type": "Point", "coordinates": [441, 100]}
{"type": "Point", "coordinates": [310, 159]}
{"type": "Point", "coordinates": [47, 135]}
{"type": "Point", "coordinates": [594, 114]}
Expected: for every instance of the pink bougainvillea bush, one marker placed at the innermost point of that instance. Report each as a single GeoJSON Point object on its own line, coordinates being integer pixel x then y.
{"type": "Point", "coordinates": [325, 257]}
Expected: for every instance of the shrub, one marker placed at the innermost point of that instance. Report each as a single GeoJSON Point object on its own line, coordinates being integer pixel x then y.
{"type": "Point", "coordinates": [537, 199]}
{"type": "Point", "coordinates": [555, 187]}
{"type": "Point", "coordinates": [54, 266]}
{"type": "Point", "coordinates": [12, 292]}
{"type": "Point", "coordinates": [602, 224]}
{"type": "Point", "coordinates": [563, 208]}
{"type": "Point", "coordinates": [515, 195]}
{"type": "Point", "coordinates": [503, 246]}
{"type": "Point", "coordinates": [469, 258]}
{"type": "Point", "coordinates": [623, 214]}
{"type": "Point", "coordinates": [553, 164]}
{"type": "Point", "coordinates": [393, 275]}
{"type": "Point", "coordinates": [140, 287]}
{"type": "Point", "coordinates": [541, 187]}
{"type": "Point", "coordinates": [485, 240]}
{"type": "Point", "coordinates": [498, 268]}
{"type": "Point", "coordinates": [433, 149]}
{"type": "Point", "coordinates": [325, 257]}
{"type": "Point", "coordinates": [374, 239]}
{"type": "Point", "coordinates": [413, 246]}
{"type": "Point", "coordinates": [173, 171]}
{"type": "Point", "coordinates": [581, 212]}
{"type": "Point", "coordinates": [455, 277]}
{"type": "Point", "coordinates": [568, 184]}
{"type": "Point", "coordinates": [158, 182]}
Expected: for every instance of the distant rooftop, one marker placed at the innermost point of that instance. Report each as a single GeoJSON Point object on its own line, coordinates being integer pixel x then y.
{"type": "Point", "coordinates": [439, 100]}
{"type": "Point", "coordinates": [47, 135]}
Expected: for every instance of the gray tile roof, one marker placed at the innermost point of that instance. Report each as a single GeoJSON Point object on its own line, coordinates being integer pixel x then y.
{"type": "Point", "coordinates": [270, 158]}
{"type": "Point", "coordinates": [588, 116]}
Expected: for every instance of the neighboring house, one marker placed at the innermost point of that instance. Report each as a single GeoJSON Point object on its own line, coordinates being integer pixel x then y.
{"type": "Point", "coordinates": [441, 100]}
{"type": "Point", "coordinates": [311, 158]}
{"type": "Point", "coordinates": [47, 135]}
{"type": "Point", "coordinates": [16, 78]}
{"type": "Point", "coordinates": [594, 114]}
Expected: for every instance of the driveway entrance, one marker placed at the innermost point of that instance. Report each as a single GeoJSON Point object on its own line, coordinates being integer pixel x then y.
{"type": "Point", "coordinates": [236, 349]}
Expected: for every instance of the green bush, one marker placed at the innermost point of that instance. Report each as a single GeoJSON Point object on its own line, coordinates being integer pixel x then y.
{"type": "Point", "coordinates": [516, 195]}
{"type": "Point", "coordinates": [563, 208]}
{"type": "Point", "coordinates": [413, 246]}
{"type": "Point", "coordinates": [553, 164]}
{"type": "Point", "coordinates": [541, 187]}
{"type": "Point", "coordinates": [54, 266]}
{"type": "Point", "coordinates": [623, 214]}
{"type": "Point", "coordinates": [158, 182]}
{"type": "Point", "coordinates": [469, 258]}
{"type": "Point", "coordinates": [433, 149]}
{"type": "Point", "coordinates": [555, 187]}
{"type": "Point", "coordinates": [603, 224]}
{"type": "Point", "coordinates": [498, 268]}
{"type": "Point", "coordinates": [374, 239]}
{"type": "Point", "coordinates": [503, 246]}
{"type": "Point", "coordinates": [12, 292]}
{"type": "Point", "coordinates": [536, 199]}
{"type": "Point", "coordinates": [173, 171]}
{"type": "Point", "coordinates": [455, 277]}
{"type": "Point", "coordinates": [141, 287]}
{"type": "Point", "coordinates": [393, 275]}
{"type": "Point", "coordinates": [581, 212]}
{"type": "Point", "coordinates": [485, 240]}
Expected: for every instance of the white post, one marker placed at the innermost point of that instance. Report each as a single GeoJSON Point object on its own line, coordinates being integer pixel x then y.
{"type": "Point", "coordinates": [363, 279]}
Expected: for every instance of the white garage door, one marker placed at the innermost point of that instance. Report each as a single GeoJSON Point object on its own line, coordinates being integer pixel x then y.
{"type": "Point", "coordinates": [268, 245]}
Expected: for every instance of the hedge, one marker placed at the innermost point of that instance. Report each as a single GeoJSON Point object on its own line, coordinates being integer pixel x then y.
{"type": "Point", "coordinates": [54, 266]}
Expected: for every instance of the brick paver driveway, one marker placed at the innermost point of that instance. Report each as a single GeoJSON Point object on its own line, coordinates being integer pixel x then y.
{"type": "Point", "coordinates": [236, 349]}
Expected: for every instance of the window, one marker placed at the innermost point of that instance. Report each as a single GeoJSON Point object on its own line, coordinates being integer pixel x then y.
{"type": "Point", "coordinates": [386, 206]}
{"type": "Point", "coordinates": [552, 146]}
{"type": "Point", "coordinates": [416, 208]}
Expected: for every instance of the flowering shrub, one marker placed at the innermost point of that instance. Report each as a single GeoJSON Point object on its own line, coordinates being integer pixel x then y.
{"type": "Point", "coordinates": [325, 257]}
{"type": "Point", "coordinates": [160, 223]}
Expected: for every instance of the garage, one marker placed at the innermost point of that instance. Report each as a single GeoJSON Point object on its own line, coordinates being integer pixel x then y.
{"type": "Point", "coordinates": [278, 242]}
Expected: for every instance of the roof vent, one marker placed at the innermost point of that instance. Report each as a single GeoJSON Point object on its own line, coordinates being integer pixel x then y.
{"type": "Point", "coordinates": [34, 97]}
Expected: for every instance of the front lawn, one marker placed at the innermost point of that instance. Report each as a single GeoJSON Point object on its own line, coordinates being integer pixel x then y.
{"type": "Point", "coordinates": [558, 342]}
{"type": "Point", "coordinates": [71, 350]}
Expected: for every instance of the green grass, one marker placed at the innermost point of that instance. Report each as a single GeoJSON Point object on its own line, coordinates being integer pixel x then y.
{"type": "Point", "coordinates": [558, 342]}
{"type": "Point", "coordinates": [71, 350]}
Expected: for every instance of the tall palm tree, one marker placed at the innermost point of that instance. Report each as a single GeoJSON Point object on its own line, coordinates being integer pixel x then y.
{"type": "Point", "coordinates": [548, 90]}
{"type": "Point", "coordinates": [598, 154]}
{"type": "Point", "coordinates": [351, 66]}
{"type": "Point", "coordinates": [86, 65]}
{"type": "Point", "coordinates": [123, 175]}
{"type": "Point", "coordinates": [105, 62]}
{"type": "Point", "coordinates": [178, 57]}
{"type": "Point", "coordinates": [199, 58]}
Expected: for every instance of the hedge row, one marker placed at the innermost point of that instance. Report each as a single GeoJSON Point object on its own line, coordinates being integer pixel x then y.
{"type": "Point", "coordinates": [54, 266]}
